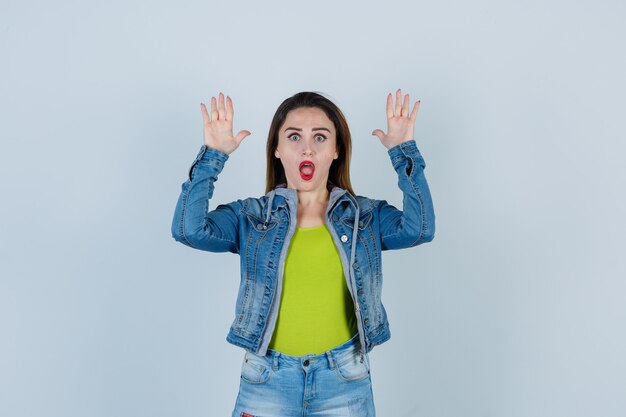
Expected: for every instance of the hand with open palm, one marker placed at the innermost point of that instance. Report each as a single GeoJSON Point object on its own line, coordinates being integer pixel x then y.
{"type": "Point", "coordinates": [400, 125]}
{"type": "Point", "coordinates": [218, 127]}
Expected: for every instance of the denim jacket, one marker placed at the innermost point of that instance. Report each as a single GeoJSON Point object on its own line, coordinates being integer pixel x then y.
{"type": "Point", "coordinates": [260, 231]}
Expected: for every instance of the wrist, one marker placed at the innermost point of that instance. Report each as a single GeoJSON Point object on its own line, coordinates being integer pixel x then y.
{"type": "Point", "coordinates": [208, 152]}
{"type": "Point", "coordinates": [215, 148]}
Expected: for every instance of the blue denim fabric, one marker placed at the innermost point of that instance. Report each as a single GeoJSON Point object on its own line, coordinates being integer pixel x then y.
{"type": "Point", "coordinates": [335, 383]}
{"type": "Point", "coordinates": [260, 231]}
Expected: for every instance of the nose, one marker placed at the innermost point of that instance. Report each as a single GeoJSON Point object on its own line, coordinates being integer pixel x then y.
{"type": "Point", "coordinates": [306, 148]}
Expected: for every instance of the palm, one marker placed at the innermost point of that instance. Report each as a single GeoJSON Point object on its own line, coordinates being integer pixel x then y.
{"type": "Point", "coordinates": [218, 127]}
{"type": "Point", "coordinates": [400, 125]}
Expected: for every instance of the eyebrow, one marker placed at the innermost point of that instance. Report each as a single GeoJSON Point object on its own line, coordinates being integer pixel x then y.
{"type": "Point", "coordinates": [300, 130]}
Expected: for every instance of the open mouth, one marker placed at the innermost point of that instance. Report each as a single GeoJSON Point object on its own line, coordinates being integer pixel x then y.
{"type": "Point", "coordinates": [307, 168]}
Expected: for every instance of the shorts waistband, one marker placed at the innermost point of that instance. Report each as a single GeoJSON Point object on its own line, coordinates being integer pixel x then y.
{"type": "Point", "coordinates": [328, 359]}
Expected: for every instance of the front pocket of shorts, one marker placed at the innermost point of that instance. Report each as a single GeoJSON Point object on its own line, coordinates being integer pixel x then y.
{"type": "Point", "coordinates": [353, 369]}
{"type": "Point", "coordinates": [255, 370]}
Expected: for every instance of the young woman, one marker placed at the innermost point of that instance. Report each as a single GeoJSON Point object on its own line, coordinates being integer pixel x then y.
{"type": "Point", "coordinates": [309, 308]}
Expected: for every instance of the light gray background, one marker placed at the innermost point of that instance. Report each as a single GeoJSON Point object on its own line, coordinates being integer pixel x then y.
{"type": "Point", "coordinates": [516, 309]}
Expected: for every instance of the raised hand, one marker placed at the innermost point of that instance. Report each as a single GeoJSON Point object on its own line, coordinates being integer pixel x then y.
{"type": "Point", "coordinates": [218, 127]}
{"type": "Point", "coordinates": [400, 125]}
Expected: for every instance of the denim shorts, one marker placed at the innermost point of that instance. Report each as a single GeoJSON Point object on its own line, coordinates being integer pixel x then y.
{"type": "Point", "coordinates": [334, 383]}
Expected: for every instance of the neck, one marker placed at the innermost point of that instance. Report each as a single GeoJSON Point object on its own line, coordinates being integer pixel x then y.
{"type": "Point", "coordinates": [313, 197]}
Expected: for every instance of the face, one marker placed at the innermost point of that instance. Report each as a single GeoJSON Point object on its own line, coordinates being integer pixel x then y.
{"type": "Point", "coordinates": [307, 146]}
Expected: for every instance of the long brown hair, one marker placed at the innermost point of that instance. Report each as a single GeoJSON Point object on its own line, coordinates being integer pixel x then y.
{"type": "Point", "coordinates": [339, 173]}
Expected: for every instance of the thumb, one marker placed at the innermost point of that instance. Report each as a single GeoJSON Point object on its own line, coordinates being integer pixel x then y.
{"type": "Point", "coordinates": [379, 133]}
{"type": "Point", "coordinates": [242, 134]}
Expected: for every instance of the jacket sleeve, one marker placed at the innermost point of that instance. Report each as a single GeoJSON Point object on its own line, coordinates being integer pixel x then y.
{"type": "Point", "coordinates": [415, 224]}
{"type": "Point", "coordinates": [193, 224]}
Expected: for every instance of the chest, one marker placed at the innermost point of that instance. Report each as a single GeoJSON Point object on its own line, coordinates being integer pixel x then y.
{"type": "Point", "coordinates": [310, 216]}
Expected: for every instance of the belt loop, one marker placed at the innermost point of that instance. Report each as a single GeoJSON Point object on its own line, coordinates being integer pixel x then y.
{"type": "Point", "coordinates": [331, 362]}
{"type": "Point", "coordinates": [275, 363]}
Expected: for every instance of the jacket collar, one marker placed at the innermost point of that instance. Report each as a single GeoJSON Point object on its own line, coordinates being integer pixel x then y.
{"type": "Point", "coordinates": [336, 194]}
{"type": "Point", "coordinates": [291, 195]}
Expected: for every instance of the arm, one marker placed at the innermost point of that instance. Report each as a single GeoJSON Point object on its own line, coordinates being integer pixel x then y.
{"type": "Point", "coordinates": [415, 224]}
{"type": "Point", "coordinates": [193, 224]}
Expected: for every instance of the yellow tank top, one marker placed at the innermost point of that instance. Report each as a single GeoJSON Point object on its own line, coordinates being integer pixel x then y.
{"type": "Point", "coordinates": [316, 310]}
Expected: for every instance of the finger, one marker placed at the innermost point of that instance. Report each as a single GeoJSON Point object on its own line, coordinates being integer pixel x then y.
{"type": "Point", "coordinates": [221, 108]}
{"type": "Point", "coordinates": [389, 106]}
{"type": "Point", "coordinates": [406, 107]}
{"type": "Point", "coordinates": [379, 133]}
{"type": "Point", "coordinates": [414, 112]}
{"type": "Point", "coordinates": [213, 109]}
{"type": "Point", "coordinates": [241, 135]}
{"type": "Point", "coordinates": [398, 102]}
{"type": "Point", "coordinates": [229, 108]}
{"type": "Point", "coordinates": [205, 114]}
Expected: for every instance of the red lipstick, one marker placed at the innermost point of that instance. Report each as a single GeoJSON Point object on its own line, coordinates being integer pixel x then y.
{"type": "Point", "coordinates": [307, 168]}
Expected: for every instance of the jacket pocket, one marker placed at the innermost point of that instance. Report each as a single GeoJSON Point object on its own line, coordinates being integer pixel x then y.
{"type": "Point", "coordinates": [364, 220]}
{"type": "Point", "coordinates": [259, 225]}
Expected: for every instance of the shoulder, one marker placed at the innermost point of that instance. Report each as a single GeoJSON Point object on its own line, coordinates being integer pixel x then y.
{"type": "Point", "coordinates": [245, 204]}
{"type": "Point", "coordinates": [367, 204]}
{"type": "Point", "coordinates": [252, 204]}
{"type": "Point", "coordinates": [257, 205]}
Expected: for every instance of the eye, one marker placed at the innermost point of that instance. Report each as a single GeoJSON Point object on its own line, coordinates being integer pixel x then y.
{"type": "Point", "coordinates": [293, 135]}
{"type": "Point", "coordinates": [323, 138]}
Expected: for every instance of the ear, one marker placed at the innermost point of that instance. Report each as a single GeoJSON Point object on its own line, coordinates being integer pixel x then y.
{"type": "Point", "coordinates": [336, 154]}
{"type": "Point", "coordinates": [276, 154]}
